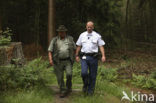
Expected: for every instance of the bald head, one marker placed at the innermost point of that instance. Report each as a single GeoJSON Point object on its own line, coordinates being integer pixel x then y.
{"type": "Point", "coordinates": [90, 26]}
{"type": "Point", "coordinates": [90, 23]}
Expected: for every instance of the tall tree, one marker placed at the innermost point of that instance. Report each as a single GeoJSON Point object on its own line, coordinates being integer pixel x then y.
{"type": "Point", "coordinates": [1, 15]}
{"type": "Point", "coordinates": [127, 7]}
{"type": "Point", "coordinates": [37, 21]}
{"type": "Point", "coordinates": [0, 23]}
{"type": "Point", "coordinates": [51, 22]}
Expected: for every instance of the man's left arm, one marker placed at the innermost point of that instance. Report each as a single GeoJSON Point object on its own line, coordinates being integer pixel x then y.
{"type": "Point", "coordinates": [103, 58]}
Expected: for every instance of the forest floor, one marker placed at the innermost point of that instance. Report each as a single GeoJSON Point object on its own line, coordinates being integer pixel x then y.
{"type": "Point", "coordinates": [77, 93]}
{"type": "Point", "coordinates": [109, 89]}
{"type": "Point", "coordinates": [141, 63]}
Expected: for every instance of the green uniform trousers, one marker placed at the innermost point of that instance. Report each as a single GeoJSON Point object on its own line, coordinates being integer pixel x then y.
{"type": "Point", "coordinates": [64, 65]}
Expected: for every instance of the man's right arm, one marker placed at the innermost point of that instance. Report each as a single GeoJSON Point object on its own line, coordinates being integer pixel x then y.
{"type": "Point", "coordinates": [50, 58]}
{"type": "Point", "coordinates": [78, 48]}
{"type": "Point", "coordinates": [50, 49]}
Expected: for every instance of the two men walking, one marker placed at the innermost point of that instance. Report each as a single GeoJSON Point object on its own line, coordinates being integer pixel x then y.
{"type": "Point", "coordinates": [61, 56]}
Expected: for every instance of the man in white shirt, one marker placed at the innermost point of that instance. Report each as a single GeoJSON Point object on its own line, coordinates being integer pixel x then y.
{"type": "Point", "coordinates": [88, 43]}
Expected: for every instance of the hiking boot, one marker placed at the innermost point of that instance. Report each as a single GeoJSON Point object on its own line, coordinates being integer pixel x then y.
{"type": "Point", "coordinates": [69, 91]}
{"type": "Point", "coordinates": [84, 90]}
{"type": "Point", "coordinates": [90, 94]}
{"type": "Point", "coordinates": [62, 95]}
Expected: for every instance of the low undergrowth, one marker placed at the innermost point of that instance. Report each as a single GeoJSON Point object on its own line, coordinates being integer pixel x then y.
{"type": "Point", "coordinates": [34, 95]}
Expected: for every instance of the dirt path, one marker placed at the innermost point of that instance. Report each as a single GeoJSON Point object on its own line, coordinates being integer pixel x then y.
{"type": "Point", "coordinates": [78, 92]}
{"type": "Point", "coordinates": [66, 99]}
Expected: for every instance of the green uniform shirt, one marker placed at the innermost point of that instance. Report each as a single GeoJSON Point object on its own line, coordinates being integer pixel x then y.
{"type": "Point", "coordinates": [63, 46]}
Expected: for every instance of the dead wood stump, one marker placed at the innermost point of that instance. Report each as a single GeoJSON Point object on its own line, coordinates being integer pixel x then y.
{"type": "Point", "coordinates": [12, 54]}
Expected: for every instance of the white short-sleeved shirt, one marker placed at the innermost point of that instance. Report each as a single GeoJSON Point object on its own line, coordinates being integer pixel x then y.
{"type": "Point", "coordinates": [90, 42]}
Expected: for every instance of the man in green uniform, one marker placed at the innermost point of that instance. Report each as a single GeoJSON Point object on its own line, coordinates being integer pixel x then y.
{"type": "Point", "coordinates": [61, 57]}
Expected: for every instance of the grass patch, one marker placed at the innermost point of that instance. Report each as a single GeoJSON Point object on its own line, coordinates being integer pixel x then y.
{"type": "Point", "coordinates": [77, 74]}
{"type": "Point", "coordinates": [38, 95]}
{"type": "Point", "coordinates": [145, 81]}
{"type": "Point", "coordinates": [94, 99]}
{"type": "Point", "coordinates": [105, 90]}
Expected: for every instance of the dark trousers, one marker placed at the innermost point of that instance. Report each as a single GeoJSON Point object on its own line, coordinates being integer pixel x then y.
{"type": "Point", "coordinates": [89, 68]}
{"type": "Point", "coordinates": [59, 71]}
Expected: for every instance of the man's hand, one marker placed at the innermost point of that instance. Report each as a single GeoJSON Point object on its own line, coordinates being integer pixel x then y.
{"type": "Point", "coordinates": [50, 58]}
{"type": "Point", "coordinates": [51, 62]}
{"type": "Point", "coordinates": [103, 59]}
{"type": "Point", "coordinates": [77, 59]}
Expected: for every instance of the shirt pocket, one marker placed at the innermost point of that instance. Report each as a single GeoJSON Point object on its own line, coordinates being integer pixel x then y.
{"type": "Point", "coordinates": [70, 44]}
{"type": "Point", "coordinates": [65, 45]}
{"type": "Point", "coordinates": [83, 41]}
{"type": "Point", "coordinates": [94, 40]}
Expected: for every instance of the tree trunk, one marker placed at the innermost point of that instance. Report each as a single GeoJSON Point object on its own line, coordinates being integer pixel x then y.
{"type": "Point", "coordinates": [127, 27]}
{"type": "Point", "coordinates": [12, 54]}
{"type": "Point", "coordinates": [51, 23]}
{"type": "Point", "coordinates": [37, 24]}
{"type": "Point", "coordinates": [0, 23]}
{"type": "Point", "coordinates": [127, 7]}
{"type": "Point", "coordinates": [153, 18]}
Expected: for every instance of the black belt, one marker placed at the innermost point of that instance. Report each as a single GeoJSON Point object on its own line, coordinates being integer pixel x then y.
{"type": "Point", "coordinates": [88, 54]}
{"type": "Point", "coordinates": [65, 59]}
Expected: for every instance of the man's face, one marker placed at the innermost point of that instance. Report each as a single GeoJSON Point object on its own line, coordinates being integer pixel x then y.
{"type": "Point", "coordinates": [62, 34]}
{"type": "Point", "coordinates": [89, 27]}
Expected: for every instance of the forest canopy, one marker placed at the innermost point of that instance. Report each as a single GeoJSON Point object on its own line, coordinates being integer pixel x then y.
{"type": "Point", "coordinates": [118, 21]}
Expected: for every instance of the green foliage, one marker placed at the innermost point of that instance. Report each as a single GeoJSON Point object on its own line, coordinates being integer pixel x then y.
{"type": "Point", "coordinates": [5, 36]}
{"type": "Point", "coordinates": [28, 19]}
{"type": "Point", "coordinates": [33, 74]}
{"type": "Point", "coordinates": [109, 74]}
{"type": "Point", "coordinates": [36, 95]}
{"type": "Point", "coordinates": [94, 99]}
{"type": "Point", "coordinates": [153, 74]}
{"type": "Point", "coordinates": [77, 73]}
{"type": "Point", "coordinates": [104, 86]}
{"type": "Point", "coordinates": [104, 13]}
{"type": "Point", "coordinates": [76, 69]}
{"type": "Point", "coordinates": [105, 91]}
{"type": "Point", "coordinates": [144, 82]}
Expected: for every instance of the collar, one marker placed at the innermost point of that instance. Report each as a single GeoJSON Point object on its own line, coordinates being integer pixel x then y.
{"type": "Point", "coordinates": [89, 34]}
{"type": "Point", "coordinates": [60, 37]}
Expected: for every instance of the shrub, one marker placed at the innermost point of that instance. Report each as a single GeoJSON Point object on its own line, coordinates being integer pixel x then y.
{"type": "Point", "coordinates": [32, 74]}
{"type": "Point", "coordinates": [109, 74]}
{"type": "Point", "coordinates": [34, 95]}
{"type": "Point", "coordinates": [5, 36]}
{"type": "Point", "coordinates": [144, 82]}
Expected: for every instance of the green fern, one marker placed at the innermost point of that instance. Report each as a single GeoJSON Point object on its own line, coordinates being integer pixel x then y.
{"type": "Point", "coordinates": [144, 81]}
{"type": "Point", "coordinates": [5, 36]}
{"type": "Point", "coordinates": [32, 74]}
{"type": "Point", "coordinates": [109, 74]}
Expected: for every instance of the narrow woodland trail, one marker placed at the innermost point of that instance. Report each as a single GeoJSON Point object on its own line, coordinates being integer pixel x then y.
{"type": "Point", "coordinates": [78, 93]}
{"type": "Point", "coordinates": [66, 99]}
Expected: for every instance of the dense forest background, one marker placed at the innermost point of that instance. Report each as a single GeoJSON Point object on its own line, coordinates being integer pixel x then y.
{"type": "Point", "coordinates": [124, 24]}
{"type": "Point", "coordinates": [127, 26]}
